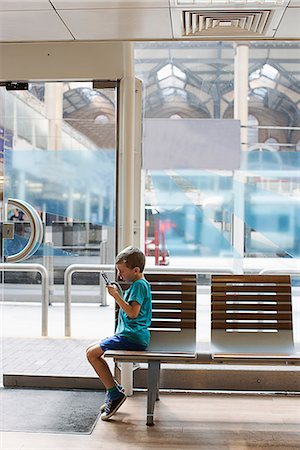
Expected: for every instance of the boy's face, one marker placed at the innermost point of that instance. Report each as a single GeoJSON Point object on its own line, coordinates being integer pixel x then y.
{"type": "Point", "coordinates": [125, 273]}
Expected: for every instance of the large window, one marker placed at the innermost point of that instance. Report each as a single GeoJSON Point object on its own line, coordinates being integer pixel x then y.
{"type": "Point", "coordinates": [191, 214]}
{"type": "Point", "coordinates": [59, 147]}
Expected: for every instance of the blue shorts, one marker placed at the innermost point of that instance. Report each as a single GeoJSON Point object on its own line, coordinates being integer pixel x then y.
{"type": "Point", "coordinates": [117, 342]}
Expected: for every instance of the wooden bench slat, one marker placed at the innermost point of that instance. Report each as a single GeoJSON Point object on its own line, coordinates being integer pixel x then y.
{"type": "Point", "coordinates": [252, 288]}
{"type": "Point", "coordinates": [185, 323]}
{"type": "Point", "coordinates": [174, 305]}
{"type": "Point", "coordinates": [173, 288]}
{"type": "Point", "coordinates": [170, 277]}
{"type": "Point", "coordinates": [182, 296]}
{"type": "Point", "coordinates": [254, 316]}
{"type": "Point", "coordinates": [278, 279]}
{"type": "Point", "coordinates": [257, 296]}
{"type": "Point", "coordinates": [174, 314]}
{"type": "Point", "coordinates": [223, 306]}
{"type": "Point", "coordinates": [221, 325]}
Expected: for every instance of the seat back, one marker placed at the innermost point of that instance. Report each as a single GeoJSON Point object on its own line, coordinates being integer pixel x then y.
{"type": "Point", "coordinates": [173, 325]}
{"type": "Point", "coordinates": [251, 313]}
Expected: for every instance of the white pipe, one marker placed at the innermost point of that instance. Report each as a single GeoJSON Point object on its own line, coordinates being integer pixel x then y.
{"type": "Point", "coordinates": [280, 272]}
{"type": "Point", "coordinates": [126, 149]}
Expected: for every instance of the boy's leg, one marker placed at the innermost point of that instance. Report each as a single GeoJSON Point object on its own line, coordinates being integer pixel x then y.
{"type": "Point", "coordinates": [94, 356]}
{"type": "Point", "coordinates": [114, 397]}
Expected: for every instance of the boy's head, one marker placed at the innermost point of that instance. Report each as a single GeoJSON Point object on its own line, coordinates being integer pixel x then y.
{"type": "Point", "coordinates": [130, 263]}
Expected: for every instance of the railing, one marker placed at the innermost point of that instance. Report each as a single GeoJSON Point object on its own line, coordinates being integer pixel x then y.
{"type": "Point", "coordinates": [279, 272]}
{"type": "Point", "coordinates": [19, 267]}
{"type": "Point", "coordinates": [111, 268]}
{"type": "Point", "coordinates": [68, 283]}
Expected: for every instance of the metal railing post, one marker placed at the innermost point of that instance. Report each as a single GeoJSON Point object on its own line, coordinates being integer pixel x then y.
{"type": "Point", "coordinates": [48, 260]}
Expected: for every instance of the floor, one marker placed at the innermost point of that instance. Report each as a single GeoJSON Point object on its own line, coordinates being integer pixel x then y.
{"type": "Point", "coordinates": [184, 421]}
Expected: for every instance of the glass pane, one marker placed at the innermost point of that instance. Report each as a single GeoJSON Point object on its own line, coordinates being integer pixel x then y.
{"type": "Point", "coordinates": [59, 147]}
{"type": "Point", "coordinates": [188, 212]}
{"type": "Point", "coordinates": [213, 213]}
{"type": "Point", "coordinates": [272, 163]}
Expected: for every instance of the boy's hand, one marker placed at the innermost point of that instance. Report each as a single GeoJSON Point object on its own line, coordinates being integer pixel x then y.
{"type": "Point", "coordinates": [112, 290]}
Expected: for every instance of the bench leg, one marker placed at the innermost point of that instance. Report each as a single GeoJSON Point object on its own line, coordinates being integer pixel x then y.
{"type": "Point", "coordinates": [157, 386]}
{"type": "Point", "coordinates": [153, 378]}
{"type": "Point", "coordinates": [127, 377]}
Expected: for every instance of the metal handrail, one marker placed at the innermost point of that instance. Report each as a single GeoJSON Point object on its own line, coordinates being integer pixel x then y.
{"type": "Point", "coordinates": [279, 271]}
{"type": "Point", "coordinates": [70, 270]}
{"type": "Point", "coordinates": [21, 267]}
{"type": "Point", "coordinates": [111, 268]}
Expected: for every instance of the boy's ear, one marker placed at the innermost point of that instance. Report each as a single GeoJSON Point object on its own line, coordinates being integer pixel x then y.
{"type": "Point", "coordinates": [137, 269]}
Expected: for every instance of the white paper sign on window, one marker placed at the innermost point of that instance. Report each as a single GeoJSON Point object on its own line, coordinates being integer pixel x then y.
{"type": "Point", "coordinates": [208, 144]}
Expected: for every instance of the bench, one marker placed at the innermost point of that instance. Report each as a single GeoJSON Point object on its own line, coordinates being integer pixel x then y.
{"type": "Point", "coordinates": [251, 322]}
{"type": "Point", "coordinates": [251, 318]}
{"type": "Point", "coordinates": [173, 329]}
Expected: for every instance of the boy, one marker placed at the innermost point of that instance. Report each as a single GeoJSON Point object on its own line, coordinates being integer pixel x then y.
{"type": "Point", "coordinates": [133, 321]}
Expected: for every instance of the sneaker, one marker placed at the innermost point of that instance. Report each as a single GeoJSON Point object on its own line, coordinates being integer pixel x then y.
{"type": "Point", "coordinates": [112, 406]}
{"type": "Point", "coordinates": [119, 387]}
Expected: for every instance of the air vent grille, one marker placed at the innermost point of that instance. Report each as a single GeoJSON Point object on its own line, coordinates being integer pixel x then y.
{"type": "Point", "coordinates": [225, 23]}
{"type": "Point", "coordinates": [234, 3]}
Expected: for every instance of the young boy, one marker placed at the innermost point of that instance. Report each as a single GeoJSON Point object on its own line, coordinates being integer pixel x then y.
{"type": "Point", "coordinates": [133, 321]}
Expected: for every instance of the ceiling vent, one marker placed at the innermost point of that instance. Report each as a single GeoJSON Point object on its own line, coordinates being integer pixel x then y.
{"type": "Point", "coordinates": [229, 3]}
{"type": "Point", "coordinates": [231, 22]}
{"type": "Point", "coordinates": [225, 23]}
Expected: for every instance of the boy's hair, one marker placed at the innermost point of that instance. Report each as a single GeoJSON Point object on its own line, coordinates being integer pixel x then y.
{"type": "Point", "coordinates": [132, 257]}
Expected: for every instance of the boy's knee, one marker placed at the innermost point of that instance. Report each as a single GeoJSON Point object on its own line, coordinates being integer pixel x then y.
{"type": "Point", "coordinates": [93, 353]}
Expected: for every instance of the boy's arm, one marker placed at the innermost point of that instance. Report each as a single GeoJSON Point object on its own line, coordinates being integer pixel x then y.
{"type": "Point", "coordinates": [132, 309]}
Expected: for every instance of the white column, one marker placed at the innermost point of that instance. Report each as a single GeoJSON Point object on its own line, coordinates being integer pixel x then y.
{"type": "Point", "coordinates": [126, 150]}
{"type": "Point", "coordinates": [240, 113]}
{"type": "Point", "coordinates": [139, 200]}
{"type": "Point", "coordinates": [241, 83]}
{"type": "Point", "coordinates": [54, 113]}
{"type": "Point", "coordinates": [126, 173]}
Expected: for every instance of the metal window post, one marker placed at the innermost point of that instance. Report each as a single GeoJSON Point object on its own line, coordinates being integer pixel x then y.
{"type": "Point", "coordinates": [241, 113]}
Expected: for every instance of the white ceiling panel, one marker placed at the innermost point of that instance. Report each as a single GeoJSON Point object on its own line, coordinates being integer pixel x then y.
{"type": "Point", "coordinates": [294, 3]}
{"type": "Point", "coordinates": [24, 5]}
{"type": "Point", "coordinates": [95, 4]}
{"type": "Point", "coordinates": [121, 24]}
{"type": "Point", "coordinates": [289, 27]}
{"type": "Point", "coordinates": [17, 26]}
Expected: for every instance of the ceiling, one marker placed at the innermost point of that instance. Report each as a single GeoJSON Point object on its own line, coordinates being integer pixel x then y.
{"type": "Point", "coordinates": [138, 20]}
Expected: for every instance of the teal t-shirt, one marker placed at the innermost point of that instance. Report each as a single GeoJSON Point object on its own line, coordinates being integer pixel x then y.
{"type": "Point", "coordinates": [136, 330]}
